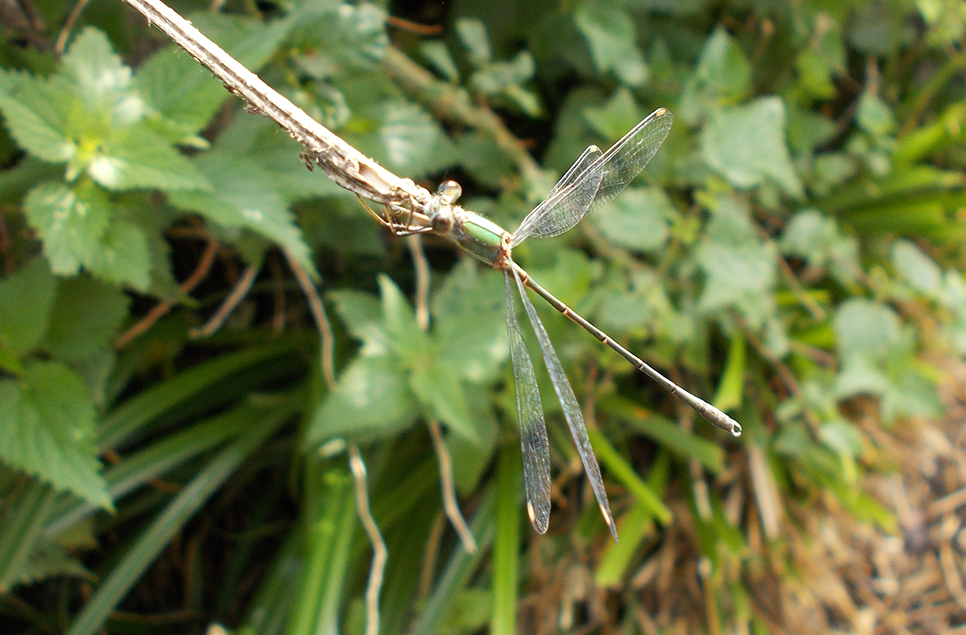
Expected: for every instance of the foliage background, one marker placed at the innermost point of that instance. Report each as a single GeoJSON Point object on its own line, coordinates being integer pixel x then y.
{"type": "Point", "coordinates": [794, 250]}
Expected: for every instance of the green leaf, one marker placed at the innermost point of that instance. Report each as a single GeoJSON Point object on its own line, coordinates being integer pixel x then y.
{"type": "Point", "coordinates": [637, 220]}
{"type": "Point", "coordinates": [245, 197]}
{"type": "Point", "coordinates": [442, 395]}
{"type": "Point", "coordinates": [403, 137]}
{"type": "Point", "coordinates": [47, 429]}
{"type": "Point", "coordinates": [618, 115]}
{"type": "Point", "coordinates": [917, 268]}
{"type": "Point", "coordinates": [406, 338]}
{"type": "Point", "coordinates": [612, 39]}
{"type": "Point", "coordinates": [136, 157]}
{"type": "Point", "coordinates": [437, 53]}
{"type": "Point", "coordinates": [70, 222]}
{"type": "Point", "coordinates": [371, 401]}
{"type": "Point", "coordinates": [740, 269]}
{"type": "Point", "coordinates": [35, 112]}
{"type": "Point", "coordinates": [722, 76]}
{"type": "Point", "coordinates": [469, 312]}
{"type": "Point", "coordinates": [102, 83]}
{"type": "Point", "coordinates": [746, 145]}
{"type": "Point", "coordinates": [362, 315]}
{"type": "Point", "coordinates": [472, 34]}
{"type": "Point", "coordinates": [26, 299]}
{"type": "Point", "coordinates": [865, 329]}
{"type": "Point", "coordinates": [123, 256]}
{"type": "Point", "coordinates": [182, 94]}
{"type": "Point", "coordinates": [874, 115]}
{"type": "Point", "coordinates": [818, 240]}
{"type": "Point", "coordinates": [85, 318]}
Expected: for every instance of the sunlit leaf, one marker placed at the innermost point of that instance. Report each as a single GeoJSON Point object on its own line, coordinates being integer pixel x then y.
{"type": "Point", "coordinates": [746, 144]}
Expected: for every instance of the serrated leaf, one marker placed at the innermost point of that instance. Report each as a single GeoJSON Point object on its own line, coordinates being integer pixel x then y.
{"type": "Point", "coordinates": [638, 219]}
{"type": "Point", "coordinates": [36, 112]}
{"type": "Point", "coordinates": [470, 323]}
{"type": "Point", "coordinates": [371, 401]}
{"type": "Point", "coordinates": [746, 145]}
{"type": "Point", "coordinates": [244, 197]}
{"type": "Point", "coordinates": [406, 338]}
{"type": "Point", "coordinates": [182, 93]}
{"type": "Point", "coordinates": [85, 318]}
{"type": "Point", "coordinates": [362, 315]}
{"type": "Point", "coordinates": [442, 395]}
{"type": "Point", "coordinates": [277, 155]}
{"type": "Point", "coordinates": [136, 157]}
{"type": "Point", "coordinates": [70, 222]}
{"type": "Point", "coordinates": [403, 137]}
{"type": "Point", "coordinates": [612, 39]}
{"type": "Point", "coordinates": [740, 268]}
{"type": "Point", "coordinates": [26, 300]}
{"type": "Point", "coordinates": [47, 429]}
{"type": "Point", "coordinates": [101, 82]}
{"type": "Point", "coordinates": [722, 76]}
{"type": "Point", "coordinates": [123, 256]}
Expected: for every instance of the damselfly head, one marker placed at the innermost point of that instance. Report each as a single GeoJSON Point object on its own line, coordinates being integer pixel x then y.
{"type": "Point", "coordinates": [449, 191]}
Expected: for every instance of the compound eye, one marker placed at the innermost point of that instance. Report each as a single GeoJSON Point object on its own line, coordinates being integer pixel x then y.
{"type": "Point", "coordinates": [449, 191]}
{"type": "Point", "coordinates": [442, 222]}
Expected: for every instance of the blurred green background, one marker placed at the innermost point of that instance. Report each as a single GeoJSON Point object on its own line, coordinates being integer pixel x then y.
{"type": "Point", "coordinates": [793, 253]}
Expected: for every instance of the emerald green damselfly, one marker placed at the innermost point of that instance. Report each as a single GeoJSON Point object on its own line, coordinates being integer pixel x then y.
{"type": "Point", "coordinates": [595, 178]}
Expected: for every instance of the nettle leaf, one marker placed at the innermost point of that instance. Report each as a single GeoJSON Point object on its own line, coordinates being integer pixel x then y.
{"type": "Point", "coordinates": [47, 429]}
{"type": "Point", "coordinates": [124, 256]}
{"type": "Point", "coordinates": [181, 93]}
{"type": "Point", "coordinates": [746, 145]}
{"type": "Point", "coordinates": [612, 39]}
{"type": "Point", "coordinates": [403, 137]}
{"type": "Point", "coordinates": [136, 157]}
{"type": "Point", "coordinates": [85, 318]}
{"type": "Point", "coordinates": [469, 325]}
{"type": "Point", "coordinates": [638, 219]}
{"type": "Point", "coordinates": [437, 53]}
{"type": "Point", "coordinates": [101, 82]}
{"type": "Point", "coordinates": [818, 240]}
{"type": "Point", "coordinates": [35, 112]}
{"type": "Point", "coordinates": [70, 222]}
{"type": "Point", "coordinates": [442, 394]}
{"type": "Point", "coordinates": [79, 228]}
{"type": "Point", "coordinates": [362, 315]}
{"type": "Point", "coordinates": [245, 197]}
{"type": "Point", "coordinates": [340, 38]}
{"type": "Point", "coordinates": [407, 339]}
{"type": "Point", "coordinates": [865, 329]}
{"type": "Point", "coordinates": [277, 155]}
{"type": "Point", "coordinates": [372, 400]}
{"type": "Point", "coordinates": [618, 115]}
{"type": "Point", "coordinates": [739, 267]}
{"type": "Point", "coordinates": [26, 300]}
{"type": "Point", "coordinates": [723, 75]}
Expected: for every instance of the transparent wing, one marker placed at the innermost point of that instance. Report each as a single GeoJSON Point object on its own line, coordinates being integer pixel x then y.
{"type": "Point", "coordinates": [584, 160]}
{"type": "Point", "coordinates": [600, 181]}
{"type": "Point", "coordinates": [571, 408]}
{"type": "Point", "coordinates": [533, 429]}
